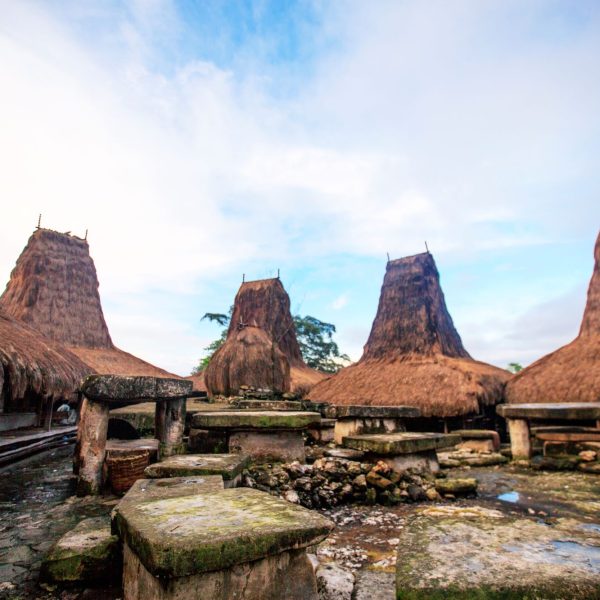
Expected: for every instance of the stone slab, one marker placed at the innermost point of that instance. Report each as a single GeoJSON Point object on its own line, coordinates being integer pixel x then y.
{"type": "Point", "coordinates": [229, 466]}
{"type": "Point", "coordinates": [268, 445]}
{"type": "Point", "coordinates": [378, 412]}
{"type": "Point", "coordinates": [247, 419]}
{"type": "Point", "coordinates": [345, 453]}
{"type": "Point", "coordinates": [17, 420]}
{"type": "Point", "coordinates": [144, 490]}
{"type": "Point", "coordinates": [269, 405]}
{"type": "Point", "coordinates": [184, 536]}
{"type": "Point", "coordinates": [121, 388]}
{"type": "Point", "coordinates": [400, 442]}
{"type": "Point", "coordinates": [117, 447]}
{"type": "Point", "coordinates": [288, 575]}
{"type": "Point", "coordinates": [471, 552]}
{"type": "Point", "coordinates": [350, 426]}
{"type": "Point", "coordinates": [89, 553]}
{"type": "Point", "coordinates": [476, 434]}
{"type": "Point", "coordinates": [567, 411]}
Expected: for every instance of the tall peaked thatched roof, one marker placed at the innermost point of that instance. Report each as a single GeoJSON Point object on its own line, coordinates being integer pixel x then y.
{"type": "Point", "coordinates": [54, 289]}
{"type": "Point", "coordinates": [263, 304]}
{"type": "Point", "coordinates": [571, 373]}
{"type": "Point", "coordinates": [32, 365]}
{"type": "Point", "coordinates": [414, 355]}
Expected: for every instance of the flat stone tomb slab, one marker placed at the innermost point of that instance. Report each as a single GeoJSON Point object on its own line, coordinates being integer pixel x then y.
{"type": "Point", "coordinates": [563, 411]}
{"type": "Point", "coordinates": [270, 405]}
{"type": "Point", "coordinates": [381, 412]}
{"type": "Point", "coordinates": [116, 447]}
{"type": "Point", "coordinates": [247, 419]}
{"type": "Point", "coordinates": [401, 442]}
{"type": "Point", "coordinates": [120, 388]}
{"type": "Point", "coordinates": [228, 466]}
{"type": "Point", "coordinates": [214, 544]}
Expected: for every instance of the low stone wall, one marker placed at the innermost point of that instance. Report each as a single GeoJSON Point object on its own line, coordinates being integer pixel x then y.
{"type": "Point", "coordinates": [332, 482]}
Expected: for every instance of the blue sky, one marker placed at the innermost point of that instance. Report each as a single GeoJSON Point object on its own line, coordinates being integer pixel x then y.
{"type": "Point", "coordinates": [199, 141]}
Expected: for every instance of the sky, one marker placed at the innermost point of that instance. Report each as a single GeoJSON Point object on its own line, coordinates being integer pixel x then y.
{"type": "Point", "coordinates": [201, 141]}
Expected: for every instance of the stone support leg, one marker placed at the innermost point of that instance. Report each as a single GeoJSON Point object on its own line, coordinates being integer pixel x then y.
{"type": "Point", "coordinates": [91, 446]}
{"type": "Point", "coordinates": [170, 422]}
{"type": "Point", "coordinates": [520, 441]}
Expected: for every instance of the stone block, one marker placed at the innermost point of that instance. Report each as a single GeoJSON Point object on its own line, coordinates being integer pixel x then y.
{"type": "Point", "coordinates": [269, 405]}
{"type": "Point", "coordinates": [229, 466]}
{"type": "Point", "coordinates": [477, 445]}
{"type": "Point", "coordinates": [121, 388]}
{"type": "Point", "coordinates": [268, 446]}
{"type": "Point", "coordinates": [247, 419]}
{"type": "Point", "coordinates": [204, 441]}
{"type": "Point", "coordinates": [376, 412]}
{"type": "Point", "coordinates": [224, 544]}
{"type": "Point", "coordinates": [456, 487]}
{"type": "Point", "coordinates": [400, 443]}
{"type": "Point", "coordinates": [87, 554]}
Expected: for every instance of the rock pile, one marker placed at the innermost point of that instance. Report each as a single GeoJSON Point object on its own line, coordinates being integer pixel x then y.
{"type": "Point", "coordinates": [332, 481]}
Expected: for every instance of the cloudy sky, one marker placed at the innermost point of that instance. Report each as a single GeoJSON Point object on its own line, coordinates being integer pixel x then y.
{"type": "Point", "coordinates": [202, 140]}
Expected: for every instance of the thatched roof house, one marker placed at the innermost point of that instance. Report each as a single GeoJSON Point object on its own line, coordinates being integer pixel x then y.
{"type": "Point", "coordinates": [33, 367]}
{"type": "Point", "coordinates": [54, 289]}
{"type": "Point", "coordinates": [571, 373]}
{"type": "Point", "coordinates": [414, 355]}
{"type": "Point", "coordinates": [261, 348]}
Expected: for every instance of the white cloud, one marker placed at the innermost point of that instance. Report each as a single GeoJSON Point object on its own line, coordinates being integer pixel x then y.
{"type": "Point", "coordinates": [424, 124]}
{"type": "Point", "coordinates": [340, 302]}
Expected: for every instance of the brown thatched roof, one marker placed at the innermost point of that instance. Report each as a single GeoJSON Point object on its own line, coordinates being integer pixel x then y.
{"type": "Point", "coordinates": [112, 361]}
{"type": "Point", "coordinates": [571, 373]}
{"type": "Point", "coordinates": [31, 364]}
{"type": "Point", "coordinates": [414, 355]}
{"type": "Point", "coordinates": [265, 304]}
{"type": "Point", "coordinates": [198, 382]}
{"type": "Point", "coordinates": [248, 357]}
{"type": "Point", "coordinates": [54, 288]}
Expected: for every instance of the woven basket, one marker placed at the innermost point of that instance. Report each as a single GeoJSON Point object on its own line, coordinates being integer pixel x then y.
{"type": "Point", "coordinates": [125, 469]}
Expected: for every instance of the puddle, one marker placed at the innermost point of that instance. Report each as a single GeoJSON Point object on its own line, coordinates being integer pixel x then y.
{"type": "Point", "coordinates": [591, 527]}
{"type": "Point", "coordinates": [512, 497]}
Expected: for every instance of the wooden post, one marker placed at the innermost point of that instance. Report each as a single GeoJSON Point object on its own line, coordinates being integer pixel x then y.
{"type": "Point", "coordinates": [169, 423]}
{"type": "Point", "coordinates": [91, 446]}
{"type": "Point", "coordinates": [520, 441]}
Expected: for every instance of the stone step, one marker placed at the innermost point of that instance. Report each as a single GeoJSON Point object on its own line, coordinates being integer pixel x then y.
{"type": "Point", "coordinates": [400, 442]}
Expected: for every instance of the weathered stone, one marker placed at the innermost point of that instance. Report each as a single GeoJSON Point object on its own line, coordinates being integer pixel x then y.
{"type": "Point", "coordinates": [170, 423]}
{"type": "Point", "coordinates": [378, 480]}
{"type": "Point", "coordinates": [322, 433]}
{"type": "Point", "coordinates": [144, 490]}
{"type": "Point", "coordinates": [464, 553]}
{"type": "Point", "coordinates": [379, 412]}
{"type": "Point", "coordinates": [520, 439]}
{"type": "Point", "coordinates": [588, 455]}
{"type": "Point", "coordinates": [570, 411]}
{"type": "Point", "coordinates": [334, 582]}
{"type": "Point", "coordinates": [269, 405]}
{"type": "Point", "coordinates": [229, 466]}
{"type": "Point", "coordinates": [555, 463]}
{"type": "Point", "coordinates": [347, 453]}
{"type": "Point", "coordinates": [140, 416]}
{"type": "Point", "coordinates": [457, 487]}
{"type": "Point", "coordinates": [477, 445]}
{"type": "Point", "coordinates": [121, 388]}
{"type": "Point", "coordinates": [288, 575]}
{"type": "Point", "coordinates": [184, 536]}
{"type": "Point", "coordinates": [247, 419]}
{"type": "Point", "coordinates": [91, 446]}
{"type": "Point", "coordinates": [87, 554]}
{"type": "Point", "coordinates": [265, 446]}
{"type": "Point", "coordinates": [400, 443]}
{"type": "Point", "coordinates": [591, 467]}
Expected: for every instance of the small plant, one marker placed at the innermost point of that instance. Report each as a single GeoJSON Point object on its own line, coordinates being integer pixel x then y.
{"type": "Point", "coordinates": [514, 367]}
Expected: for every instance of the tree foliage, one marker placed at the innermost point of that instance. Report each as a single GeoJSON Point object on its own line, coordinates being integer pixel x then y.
{"type": "Point", "coordinates": [318, 349]}
{"type": "Point", "coordinates": [514, 367]}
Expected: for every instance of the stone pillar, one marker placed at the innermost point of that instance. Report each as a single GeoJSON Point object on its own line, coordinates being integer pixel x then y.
{"type": "Point", "coordinates": [520, 442]}
{"type": "Point", "coordinates": [169, 425]}
{"type": "Point", "coordinates": [91, 448]}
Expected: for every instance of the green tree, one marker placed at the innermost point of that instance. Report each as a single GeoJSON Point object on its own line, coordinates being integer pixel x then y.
{"type": "Point", "coordinates": [514, 367]}
{"type": "Point", "coordinates": [318, 349]}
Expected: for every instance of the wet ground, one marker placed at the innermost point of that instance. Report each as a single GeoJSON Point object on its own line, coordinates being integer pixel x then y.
{"type": "Point", "coordinates": [37, 507]}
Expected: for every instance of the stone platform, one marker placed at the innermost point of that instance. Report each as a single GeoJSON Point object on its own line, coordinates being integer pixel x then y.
{"type": "Point", "coordinates": [479, 440]}
{"type": "Point", "coordinates": [519, 417]}
{"type": "Point", "coordinates": [403, 450]}
{"type": "Point", "coordinates": [269, 405]}
{"type": "Point", "coordinates": [359, 419]}
{"type": "Point", "coordinates": [228, 466]}
{"type": "Point", "coordinates": [323, 432]}
{"type": "Point", "coordinates": [262, 435]}
{"type": "Point", "coordinates": [233, 544]}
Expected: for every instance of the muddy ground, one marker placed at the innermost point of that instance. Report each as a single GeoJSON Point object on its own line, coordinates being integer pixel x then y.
{"type": "Point", "coordinates": [37, 507]}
